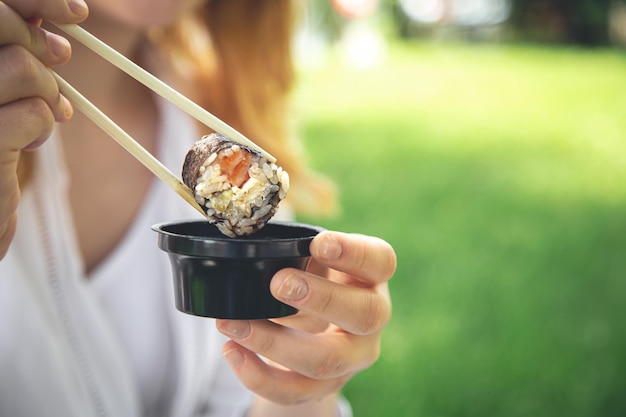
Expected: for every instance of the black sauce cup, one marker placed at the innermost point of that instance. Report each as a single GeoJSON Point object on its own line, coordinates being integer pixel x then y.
{"type": "Point", "coordinates": [221, 277]}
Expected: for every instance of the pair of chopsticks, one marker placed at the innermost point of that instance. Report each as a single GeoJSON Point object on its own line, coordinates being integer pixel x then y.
{"type": "Point", "coordinates": [159, 87]}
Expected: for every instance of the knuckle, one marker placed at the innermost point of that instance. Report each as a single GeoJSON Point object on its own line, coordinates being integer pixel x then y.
{"type": "Point", "coordinates": [35, 122]}
{"type": "Point", "coordinates": [267, 345]}
{"type": "Point", "coordinates": [24, 122]}
{"type": "Point", "coordinates": [361, 257]}
{"type": "Point", "coordinates": [35, 39]}
{"type": "Point", "coordinates": [20, 64]}
{"type": "Point", "coordinates": [374, 315]}
{"type": "Point", "coordinates": [326, 302]}
{"type": "Point", "coordinates": [332, 364]}
{"type": "Point", "coordinates": [39, 110]}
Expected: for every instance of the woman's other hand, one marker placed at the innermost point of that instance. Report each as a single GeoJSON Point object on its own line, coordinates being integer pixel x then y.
{"type": "Point", "coordinates": [344, 305]}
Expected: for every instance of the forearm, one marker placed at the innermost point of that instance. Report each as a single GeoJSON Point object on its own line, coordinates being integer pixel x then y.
{"type": "Point", "coordinates": [326, 407]}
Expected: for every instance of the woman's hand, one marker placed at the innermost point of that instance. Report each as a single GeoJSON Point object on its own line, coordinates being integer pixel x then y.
{"type": "Point", "coordinates": [344, 305]}
{"type": "Point", "coordinates": [29, 96]}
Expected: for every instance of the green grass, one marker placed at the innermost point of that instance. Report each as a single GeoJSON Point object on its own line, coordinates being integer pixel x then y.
{"type": "Point", "coordinates": [498, 173]}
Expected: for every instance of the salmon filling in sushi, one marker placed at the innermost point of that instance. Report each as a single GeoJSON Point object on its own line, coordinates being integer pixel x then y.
{"type": "Point", "coordinates": [237, 187]}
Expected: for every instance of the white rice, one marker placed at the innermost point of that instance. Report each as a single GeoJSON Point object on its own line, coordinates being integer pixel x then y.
{"type": "Point", "coordinates": [241, 210]}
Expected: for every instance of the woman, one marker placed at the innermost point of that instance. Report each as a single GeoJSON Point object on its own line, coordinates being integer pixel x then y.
{"type": "Point", "coordinates": [87, 324]}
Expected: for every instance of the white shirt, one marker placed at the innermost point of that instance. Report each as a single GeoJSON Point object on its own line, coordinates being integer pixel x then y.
{"type": "Point", "coordinates": [111, 344]}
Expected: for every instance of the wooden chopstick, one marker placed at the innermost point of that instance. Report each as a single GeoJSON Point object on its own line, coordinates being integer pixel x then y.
{"type": "Point", "coordinates": [159, 87]}
{"type": "Point", "coordinates": [127, 142]}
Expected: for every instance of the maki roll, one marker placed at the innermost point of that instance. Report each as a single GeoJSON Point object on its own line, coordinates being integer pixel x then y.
{"type": "Point", "coordinates": [236, 186]}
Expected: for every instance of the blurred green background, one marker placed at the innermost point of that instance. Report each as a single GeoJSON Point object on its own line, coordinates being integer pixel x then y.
{"type": "Point", "coordinates": [497, 170]}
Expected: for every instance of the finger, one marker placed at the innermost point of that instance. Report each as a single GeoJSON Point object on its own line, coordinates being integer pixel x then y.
{"type": "Point", "coordinates": [23, 76]}
{"type": "Point", "coordinates": [59, 11]}
{"type": "Point", "coordinates": [7, 230]}
{"type": "Point", "coordinates": [365, 257]}
{"type": "Point", "coordinates": [49, 48]}
{"type": "Point", "coordinates": [26, 123]}
{"type": "Point", "coordinates": [9, 200]}
{"type": "Point", "coordinates": [358, 310]}
{"type": "Point", "coordinates": [326, 356]}
{"type": "Point", "coordinates": [277, 385]}
{"type": "Point", "coordinates": [303, 321]}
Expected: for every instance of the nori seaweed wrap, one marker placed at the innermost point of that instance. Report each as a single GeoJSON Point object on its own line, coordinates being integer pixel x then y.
{"type": "Point", "coordinates": [237, 187]}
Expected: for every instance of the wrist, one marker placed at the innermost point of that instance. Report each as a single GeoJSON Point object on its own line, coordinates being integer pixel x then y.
{"type": "Point", "coordinates": [325, 407]}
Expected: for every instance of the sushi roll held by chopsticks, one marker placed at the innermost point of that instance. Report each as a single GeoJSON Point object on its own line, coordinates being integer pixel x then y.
{"type": "Point", "coordinates": [237, 187]}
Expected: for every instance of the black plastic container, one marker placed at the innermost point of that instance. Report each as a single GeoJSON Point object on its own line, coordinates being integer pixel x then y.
{"type": "Point", "coordinates": [221, 277]}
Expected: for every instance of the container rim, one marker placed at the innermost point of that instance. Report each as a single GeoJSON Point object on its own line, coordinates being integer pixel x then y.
{"type": "Point", "coordinates": [275, 240]}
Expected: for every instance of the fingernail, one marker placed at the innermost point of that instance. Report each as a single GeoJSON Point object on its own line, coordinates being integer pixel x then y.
{"type": "Point", "coordinates": [69, 109]}
{"type": "Point", "coordinates": [329, 248]}
{"type": "Point", "coordinates": [78, 7]}
{"type": "Point", "coordinates": [238, 329]}
{"type": "Point", "coordinates": [234, 358]}
{"type": "Point", "coordinates": [293, 288]}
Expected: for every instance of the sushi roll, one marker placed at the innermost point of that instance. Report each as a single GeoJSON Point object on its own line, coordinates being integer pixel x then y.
{"type": "Point", "coordinates": [237, 187]}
